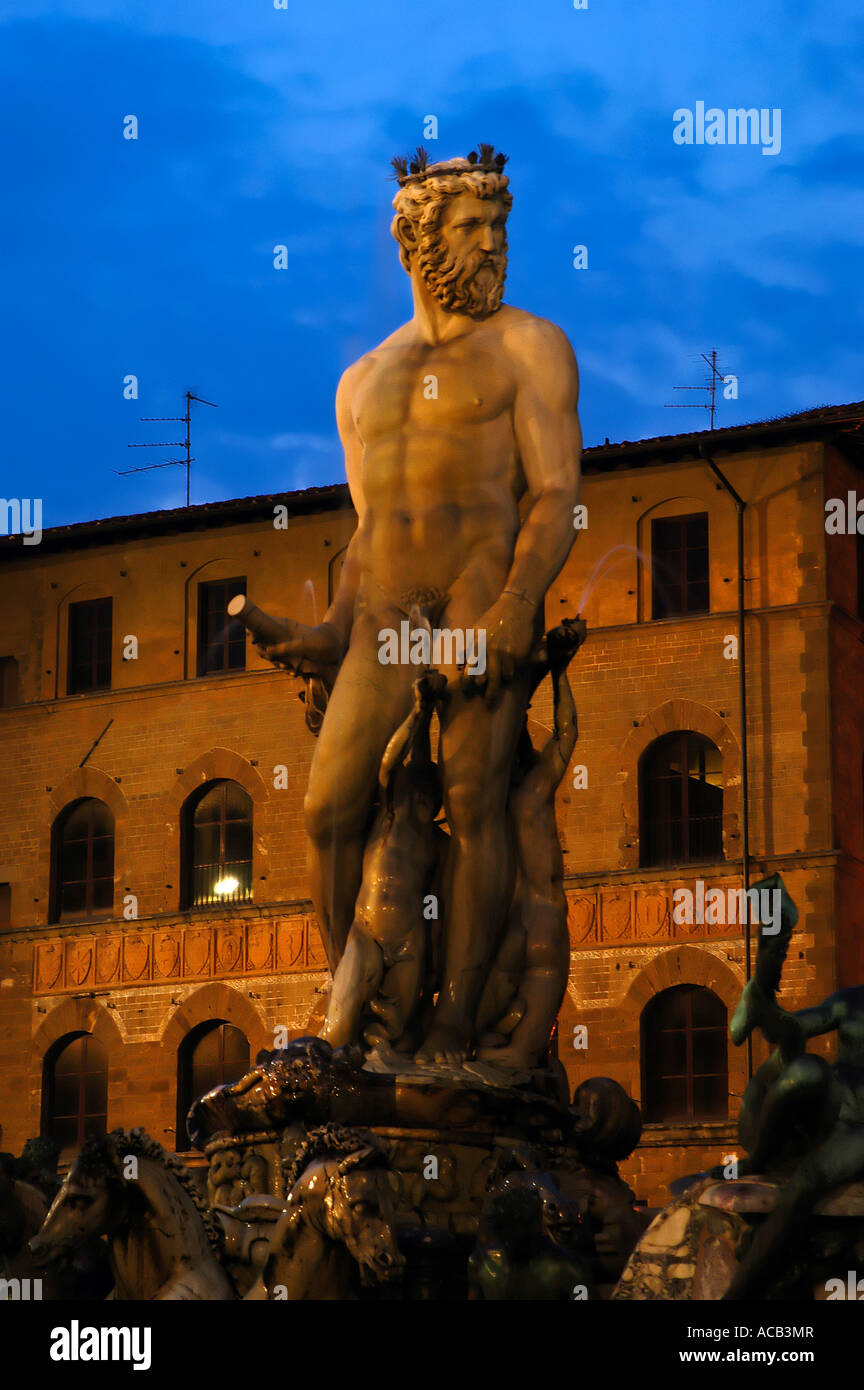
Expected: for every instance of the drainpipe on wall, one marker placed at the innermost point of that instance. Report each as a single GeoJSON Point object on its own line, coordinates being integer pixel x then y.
{"type": "Point", "coordinates": [740, 504]}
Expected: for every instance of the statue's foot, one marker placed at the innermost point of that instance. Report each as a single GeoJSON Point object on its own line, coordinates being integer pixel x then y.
{"type": "Point", "coordinates": [509, 1058]}
{"type": "Point", "coordinates": [381, 1054]}
{"type": "Point", "coordinates": [445, 1046]}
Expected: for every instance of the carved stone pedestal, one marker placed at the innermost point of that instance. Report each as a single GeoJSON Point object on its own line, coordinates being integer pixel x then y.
{"type": "Point", "coordinates": [417, 1184]}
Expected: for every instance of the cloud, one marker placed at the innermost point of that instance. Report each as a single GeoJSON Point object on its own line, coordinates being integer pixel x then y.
{"type": "Point", "coordinates": [261, 127]}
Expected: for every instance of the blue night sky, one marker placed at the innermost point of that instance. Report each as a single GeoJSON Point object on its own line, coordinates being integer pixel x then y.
{"type": "Point", "coordinates": [260, 127]}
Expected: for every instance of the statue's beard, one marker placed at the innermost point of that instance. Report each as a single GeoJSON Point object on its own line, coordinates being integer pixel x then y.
{"type": "Point", "coordinates": [474, 286]}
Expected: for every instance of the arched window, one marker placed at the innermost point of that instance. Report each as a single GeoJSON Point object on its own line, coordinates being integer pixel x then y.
{"type": "Point", "coordinates": [680, 800]}
{"type": "Point", "coordinates": [685, 1073]}
{"type": "Point", "coordinates": [75, 1091]}
{"type": "Point", "coordinates": [82, 854]}
{"type": "Point", "coordinates": [213, 1054]}
{"type": "Point", "coordinates": [217, 845]}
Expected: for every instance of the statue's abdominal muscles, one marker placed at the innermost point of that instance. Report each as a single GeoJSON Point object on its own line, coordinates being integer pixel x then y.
{"type": "Point", "coordinates": [440, 475]}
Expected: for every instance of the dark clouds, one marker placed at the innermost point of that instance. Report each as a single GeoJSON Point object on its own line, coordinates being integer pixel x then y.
{"type": "Point", "coordinates": [155, 257]}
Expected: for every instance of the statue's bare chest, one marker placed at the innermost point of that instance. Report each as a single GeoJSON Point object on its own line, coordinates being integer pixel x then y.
{"type": "Point", "coordinates": [452, 384]}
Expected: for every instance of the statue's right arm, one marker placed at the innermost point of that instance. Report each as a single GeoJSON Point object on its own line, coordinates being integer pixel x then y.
{"type": "Point", "coordinates": [319, 650]}
{"type": "Point", "coordinates": [340, 614]}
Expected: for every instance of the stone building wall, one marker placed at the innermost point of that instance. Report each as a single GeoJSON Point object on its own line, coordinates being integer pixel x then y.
{"type": "Point", "coordinates": [141, 983]}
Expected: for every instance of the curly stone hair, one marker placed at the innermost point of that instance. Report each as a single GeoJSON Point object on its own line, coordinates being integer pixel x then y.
{"type": "Point", "coordinates": [332, 1141]}
{"type": "Point", "coordinates": [425, 191]}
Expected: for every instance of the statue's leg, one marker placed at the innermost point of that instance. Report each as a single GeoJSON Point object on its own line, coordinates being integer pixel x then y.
{"type": "Point", "coordinates": [400, 989]}
{"type": "Point", "coordinates": [543, 984]}
{"type": "Point", "coordinates": [839, 1159]}
{"type": "Point", "coordinates": [357, 978]}
{"type": "Point", "coordinates": [804, 1097]}
{"type": "Point", "coordinates": [500, 996]}
{"type": "Point", "coordinates": [368, 702]}
{"type": "Point", "coordinates": [476, 750]}
{"type": "Point", "coordinates": [749, 1116]}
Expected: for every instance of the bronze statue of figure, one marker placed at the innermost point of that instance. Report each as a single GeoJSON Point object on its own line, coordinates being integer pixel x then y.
{"type": "Point", "coordinates": [517, 1258]}
{"type": "Point", "coordinates": [462, 449]}
{"type": "Point", "coordinates": [802, 1119]}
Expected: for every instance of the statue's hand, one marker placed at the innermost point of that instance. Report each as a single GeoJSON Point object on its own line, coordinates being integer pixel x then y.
{"type": "Point", "coordinates": [307, 651]}
{"type": "Point", "coordinates": [510, 635]}
{"type": "Point", "coordinates": [749, 1013]}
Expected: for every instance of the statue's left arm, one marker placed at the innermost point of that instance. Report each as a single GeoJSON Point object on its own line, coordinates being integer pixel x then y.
{"type": "Point", "coordinates": [824, 1017]}
{"type": "Point", "coordinates": [549, 441]}
{"type": "Point", "coordinates": [566, 729]}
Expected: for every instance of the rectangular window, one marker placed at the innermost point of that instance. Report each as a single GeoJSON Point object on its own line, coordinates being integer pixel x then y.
{"type": "Point", "coordinates": [5, 904]}
{"type": "Point", "coordinates": [679, 566]}
{"type": "Point", "coordinates": [89, 664]}
{"type": "Point", "coordinates": [221, 640]}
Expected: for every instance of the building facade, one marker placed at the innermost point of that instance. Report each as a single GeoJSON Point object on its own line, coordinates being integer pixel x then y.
{"type": "Point", "coordinates": [155, 927]}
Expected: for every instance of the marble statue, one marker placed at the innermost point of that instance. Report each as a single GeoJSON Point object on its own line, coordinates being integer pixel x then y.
{"type": "Point", "coordinates": [425, 1145]}
{"type": "Point", "coordinates": [462, 452]}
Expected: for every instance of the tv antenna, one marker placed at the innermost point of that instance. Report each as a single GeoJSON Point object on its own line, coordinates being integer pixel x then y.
{"type": "Point", "coordinates": [710, 385]}
{"type": "Point", "coordinates": [171, 443]}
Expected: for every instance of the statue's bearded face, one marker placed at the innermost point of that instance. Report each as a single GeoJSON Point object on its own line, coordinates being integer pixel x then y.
{"type": "Point", "coordinates": [464, 261]}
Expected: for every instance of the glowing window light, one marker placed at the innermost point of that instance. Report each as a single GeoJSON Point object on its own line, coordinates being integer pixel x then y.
{"type": "Point", "coordinates": [226, 886]}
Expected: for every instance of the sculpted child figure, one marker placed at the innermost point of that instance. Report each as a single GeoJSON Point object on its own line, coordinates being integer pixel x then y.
{"type": "Point", "coordinates": [385, 957]}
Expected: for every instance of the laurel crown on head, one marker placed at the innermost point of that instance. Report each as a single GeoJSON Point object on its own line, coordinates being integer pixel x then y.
{"type": "Point", "coordinates": [413, 169]}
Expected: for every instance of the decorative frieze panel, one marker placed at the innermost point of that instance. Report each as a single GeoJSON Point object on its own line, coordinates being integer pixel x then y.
{"type": "Point", "coordinates": [582, 918]}
{"type": "Point", "coordinates": [601, 915]}
{"type": "Point", "coordinates": [649, 912]}
{"type": "Point", "coordinates": [206, 952]}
